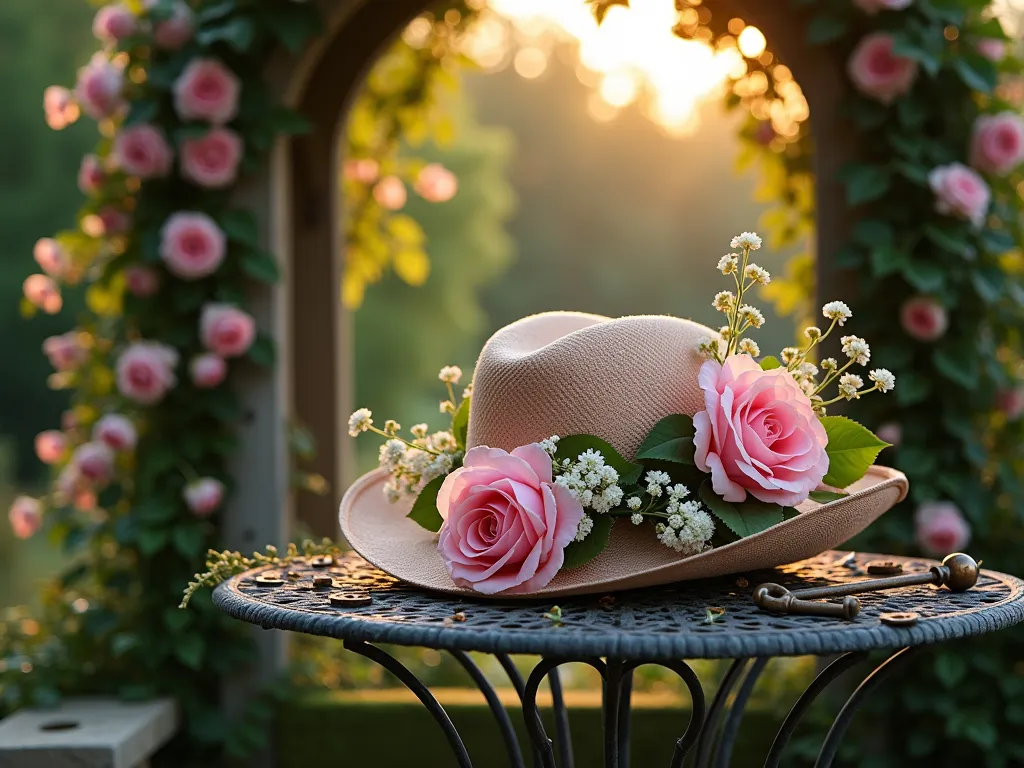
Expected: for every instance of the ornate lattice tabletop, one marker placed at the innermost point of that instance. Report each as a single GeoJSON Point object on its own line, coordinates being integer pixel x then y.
{"type": "Point", "coordinates": [616, 633]}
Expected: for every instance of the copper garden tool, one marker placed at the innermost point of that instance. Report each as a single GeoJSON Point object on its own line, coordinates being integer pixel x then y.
{"type": "Point", "coordinates": [958, 572]}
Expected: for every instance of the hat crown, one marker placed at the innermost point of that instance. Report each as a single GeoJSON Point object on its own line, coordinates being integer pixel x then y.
{"type": "Point", "coordinates": [566, 373]}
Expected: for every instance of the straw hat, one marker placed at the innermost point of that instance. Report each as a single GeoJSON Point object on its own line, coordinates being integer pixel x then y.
{"type": "Point", "coordinates": [565, 373]}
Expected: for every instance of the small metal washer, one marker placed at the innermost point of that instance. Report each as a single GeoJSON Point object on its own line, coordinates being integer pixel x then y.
{"type": "Point", "coordinates": [350, 599]}
{"type": "Point", "coordinates": [268, 580]}
{"type": "Point", "coordinates": [321, 561]}
{"type": "Point", "coordinates": [884, 568]}
{"type": "Point", "coordinates": [904, 619]}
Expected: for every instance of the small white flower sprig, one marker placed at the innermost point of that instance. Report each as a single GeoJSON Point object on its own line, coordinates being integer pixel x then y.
{"type": "Point", "coordinates": [798, 361]}
{"type": "Point", "coordinates": [415, 462]}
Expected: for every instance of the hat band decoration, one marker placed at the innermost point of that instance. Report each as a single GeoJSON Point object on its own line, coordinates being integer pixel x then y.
{"type": "Point", "coordinates": [508, 521]}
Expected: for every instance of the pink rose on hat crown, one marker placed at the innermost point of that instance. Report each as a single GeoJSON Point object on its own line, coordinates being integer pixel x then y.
{"type": "Point", "coordinates": [923, 318]}
{"type": "Point", "coordinates": [211, 161]}
{"type": "Point", "coordinates": [758, 433]}
{"type": "Point", "coordinates": [226, 330]}
{"type": "Point", "coordinates": [506, 523]}
{"type": "Point", "coordinates": [192, 245]}
{"type": "Point", "coordinates": [145, 371]}
{"type": "Point", "coordinates": [940, 528]}
{"type": "Point", "coordinates": [960, 192]}
{"type": "Point", "coordinates": [25, 516]}
{"type": "Point", "coordinates": [997, 143]}
{"type": "Point", "coordinates": [142, 150]}
{"type": "Point", "coordinates": [207, 90]}
{"type": "Point", "coordinates": [879, 73]}
{"type": "Point", "coordinates": [208, 370]}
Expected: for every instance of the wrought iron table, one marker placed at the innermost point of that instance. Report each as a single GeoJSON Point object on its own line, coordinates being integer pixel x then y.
{"type": "Point", "coordinates": [617, 633]}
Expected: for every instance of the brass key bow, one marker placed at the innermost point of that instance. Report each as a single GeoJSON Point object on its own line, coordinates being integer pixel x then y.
{"type": "Point", "coordinates": [958, 573]}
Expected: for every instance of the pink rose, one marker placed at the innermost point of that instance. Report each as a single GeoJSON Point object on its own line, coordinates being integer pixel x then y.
{"type": "Point", "coordinates": [877, 72]}
{"type": "Point", "coordinates": [65, 352]}
{"type": "Point", "coordinates": [992, 49]}
{"type": "Point", "coordinates": [42, 293]}
{"type": "Point", "coordinates": [997, 143]}
{"type": "Point", "coordinates": [142, 150]}
{"type": "Point", "coordinates": [891, 432]}
{"type": "Point", "coordinates": [506, 523]}
{"type": "Point", "coordinates": [923, 318]}
{"type": "Point", "coordinates": [145, 371]}
{"type": "Point", "coordinates": [203, 496]}
{"type": "Point", "coordinates": [208, 370]}
{"type": "Point", "coordinates": [110, 221]}
{"type": "Point", "coordinates": [871, 7]}
{"type": "Point", "coordinates": [50, 446]}
{"type": "Point", "coordinates": [26, 516]}
{"type": "Point", "coordinates": [758, 434]}
{"type": "Point", "coordinates": [961, 192]}
{"type": "Point", "coordinates": [207, 90]}
{"type": "Point", "coordinates": [212, 160]}
{"type": "Point", "coordinates": [94, 461]}
{"type": "Point", "coordinates": [116, 432]}
{"type": "Point", "coordinates": [141, 281]}
{"type": "Point", "coordinates": [390, 193]}
{"type": "Point", "coordinates": [364, 170]}
{"type": "Point", "coordinates": [90, 175]}
{"type": "Point", "coordinates": [436, 184]}
{"type": "Point", "coordinates": [59, 107]}
{"type": "Point", "coordinates": [940, 528]}
{"type": "Point", "coordinates": [51, 257]}
{"type": "Point", "coordinates": [113, 23]}
{"type": "Point", "coordinates": [1011, 402]}
{"type": "Point", "coordinates": [173, 32]}
{"type": "Point", "coordinates": [226, 330]}
{"type": "Point", "coordinates": [192, 245]}
{"type": "Point", "coordinates": [70, 482]}
{"type": "Point", "coordinates": [99, 87]}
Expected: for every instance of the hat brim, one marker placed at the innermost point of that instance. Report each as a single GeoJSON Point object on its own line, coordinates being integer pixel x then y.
{"type": "Point", "coordinates": [382, 534]}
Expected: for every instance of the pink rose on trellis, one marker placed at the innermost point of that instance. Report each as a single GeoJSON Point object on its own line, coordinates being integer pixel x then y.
{"type": "Point", "coordinates": [390, 193]}
{"type": "Point", "coordinates": [141, 281]}
{"type": "Point", "coordinates": [42, 293]}
{"type": "Point", "coordinates": [364, 170]}
{"type": "Point", "coordinates": [50, 446]}
{"type": "Point", "coordinates": [112, 221]}
{"type": "Point", "coordinates": [192, 245]}
{"type": "Point", "coordinates": [116, 431]}
{"type": "Point", "coordinates": [207, 90]}
{"type": "Point", "coordinates": [208, 370]}
{"type": "Point", "coordinates": [94, 462]}
{"type": "Point", "coordinates": [113, 23]}
{"type": "Point", "coordinates": [506, 522]}
{"type": "Point", "coordinates": [940, 528]}
{"type": "Point", "coordinates": [891, 432]}
{"type": "Point", "coordinates": [25, 516]}
{"type": "Point", "coordinates": [436, 184]}
{"type": "Point", "coordinates": [145, 371]}
{"type": "Point", "coordinates": [226, 330]}
{"type": "Point", "coordinates": [59, 107]}
{"type": "Point", "coordinates": [923, 318]}
{"type": "Point", "coordinates": [992, 49]}
{"type": "Point", "coordinates": [961, 192]}
{"type": "Point", "coordinates": [879, 73]}
{"type": "Point", "coordinates": [173, 32]}
{"type": "Point", "coordinates": [871, 7]}
{"type": "Point", "coordinates": [758, 433]}
{"type": "Point", "coordinates": [90, 175]}
{"type": "Point", "coordinates": [143, 151]}
{"type": "Point", "coordinates": [997, 143]}
{"type": "Point", "coordinates": [65, 352]}
{"type": "Point", "coordinates": [1011, 402]}
{"type": "Point", "coordinates": [99, 87]}
{"type": "Point", "coordinates": [212, 160]}
{"type": "Point", "coordinates": [51, 257]}
{"type": "Point", "coordinates": [204, 496]}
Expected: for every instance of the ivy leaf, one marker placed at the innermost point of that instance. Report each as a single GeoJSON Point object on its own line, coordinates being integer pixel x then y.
{"type": "Point", "coordinates": [189, 648]}
{"type": "Point", "coordinates": [873, 234]}
{"type": "Point", "coordinates": [745, 518]}
{"type": "Point", "coordinates": [294, 24]}
{"type": "Point", "coordinates": [241, 226]}
{"type": "Point", "coordinates": [579, 553]}
{"type": "Point", "coordinates": [142, 111]}
{"type": "Point", "coordinates": [216, 10]}
{"type": "Point", "coordinates": [886, 261]}
{"type": "Point", "coordinates": [865, 183]}
{"type": "Point", "coordinates": [260, 265]}
{"type": "Point", "coordinates": [949, 240]}
{"type": "Point", "coordinates": [460, 423]}
{"type": "Point", "coordinates": [424, 510]}
{"type": "Point", "coordinates": [926, 276]}
{"type": "Point", "coordinates": [189, 540]}
{"type": "Point", "coordinates": [671, 439]}
{"type": "Point", "coordinates": [976, 72]}
{"type": "Point", "coordinates": [238, 32]}
{"type": "Point", "coordinates": [851, 449]}
{"type": "Point", "coordinates": [262, 351]}
{"type": "Point", "coordinates": [151, 541]}
{"type": "Point", "coordinates": [572, 446]}
{"type": "Point", "coordinates": [953, 361]}
{"type": "Point", "coordinates": [823, 497]}
{"type": "Point", "coordinates": [770, 363]}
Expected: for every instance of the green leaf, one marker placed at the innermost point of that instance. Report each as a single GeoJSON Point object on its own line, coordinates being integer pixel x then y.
{"type": "Point", "coordinates": [873, 234]}
{"type": "Point", "coordinates": [823, 497]}
{"type": "Point", "coordinates": [143, 111]}
{"type": "Point", "coordinates": [151, 541]}
{"type": "Point", "coordinates": [949, 240]}
{"type": "Point", "coordinates": [190, 649]}
{"type": "Point", "coordinates": [852, 448]}
{"type": "Point", "coordinates": [241, 226]}
{"type": "Point", "coordinates": [262, 352]}
{"type": "Point", "coordinates": [238, 32]}
{"type": "Point", "coordinates": [424, 511]}
{"type": "Point", "coordinates": [950, 668]}
{"type": "Point", "coordinates": [886, 261]}
{"type": "Point", "coordinates": [976, 72]}
{"type": "Point", "coordinates": [460, 423]}
{"type": "Point", "coordinates": [825, 28]}
{"type": "Point", "coordinates": [579, 553]}
{"type": "Point", "coordinates": [216, 10]}
{"type": "Point", "coordinates": [865, 183]}
{"type": "Point", "coordinates": [671, 439]}
{"type": "Point", "coordinates": [745, 518]}
{"type": "Point", "coordinates": [294, 25]}
{"type": "Point", "coordinates": [926, 276]}
{"type": "Point", "coordinates": [572, 446]}
{"type": "Point", "coordinates": [189, 540]}
{"type": "Point", "coordinates": [953, 361]}
{"type": "Point", "coordinates": [260, 265]}
{"type": "Point", "coordinates": [155, 510]}
{"type": "Point", "coordinates": [770, 363]}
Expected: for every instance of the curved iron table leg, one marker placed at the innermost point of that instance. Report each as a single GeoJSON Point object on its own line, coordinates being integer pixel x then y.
{"type": "Point", "coordinates": [395, 667]}
{"type": "Point", "coordinates": [531, 714]}
{"type": "Point", "coordinates": [508, 734]}
{"type": "Point", "coordinates": [561, 714]}
{"type": "Point", "coordinates": [516, 678]}
{"type": "Point", "coordinates": [693, 729]}
{"type": "Point", "coordinates": [819, 684]}
{"type": "Point", "coordinates": [854, 703]}
{"type": "Point", "coordinates": [723, 750]}
{"type": "Point", "coordinates": [705, 746]}
{"type": "Point", "coordinates": [624, 715]}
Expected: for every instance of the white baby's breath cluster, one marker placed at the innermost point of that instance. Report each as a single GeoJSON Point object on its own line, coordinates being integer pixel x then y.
{"type": "Point", "coordinates": [589, 479]}
{"type": "Point", "coordinates": [743, 316]}
{"type": "Point", "coordinates": [415, 461]}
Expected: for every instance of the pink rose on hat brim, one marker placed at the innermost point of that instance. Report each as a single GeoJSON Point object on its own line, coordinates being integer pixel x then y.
{"type": "Point", "coordinates": [879, 73]}
{"type": "Point", "coordinates": [211, 161]}
{"type": "Point", "coordinates": [997, 143]}
{"type": "Point", "coordinates": [506, 523]}
{"type": "Point", "coordinates": [192, 245]}
{"type": "Point", "coordinates": [226, 330]}
{"type": "Point", "coordinates": [940, 528]}
{"type": "Point", "coordinates": [960, 192]}
{"type": "Point", "coordinates": [207, 90]}
{"type": "Point", "coordinates": [758, 433]}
